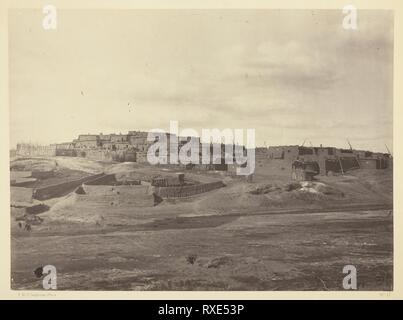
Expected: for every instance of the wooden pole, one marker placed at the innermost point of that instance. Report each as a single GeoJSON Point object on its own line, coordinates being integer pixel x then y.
{"type": "Point", "coordinates": [341, 167]}
{"type": "Point", "coordinates": [358, 162]}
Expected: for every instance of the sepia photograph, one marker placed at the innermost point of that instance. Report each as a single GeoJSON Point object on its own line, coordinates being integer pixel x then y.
{"type": "Point", "coordinates": [201, 149]}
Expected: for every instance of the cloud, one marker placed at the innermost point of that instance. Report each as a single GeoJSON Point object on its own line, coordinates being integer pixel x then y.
{"type": "Point", "coordinates": [292, 61]}
{"type": "Point", "coordinates": [290, 74]}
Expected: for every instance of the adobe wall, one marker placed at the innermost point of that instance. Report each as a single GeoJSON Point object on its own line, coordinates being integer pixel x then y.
{"type": "Point", "coordinates": [103, 155]}
{"type": "Point", "coordinates": [108, 155]}
{"type": "Point", "coordinates": [136, 196]}
{"type": "Point", "coordinates": [66, 152]}
{"type": "Point", "coordinates": [279, 167]}
{"type": "Point", "coordinates": [35, 151]}
{"type": "Point", "coordinates": [61, 189]}
{"type": "Point", "coordinates": [367, 163]}
{"type": "Point", "coordinates": [141, 157]}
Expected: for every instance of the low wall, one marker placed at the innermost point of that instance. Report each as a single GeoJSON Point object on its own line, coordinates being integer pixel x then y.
{"type": "Point", "coordinates": [277, 167]}
{"type": "Point", "coordinates": [108, 179]}
{"type": "Point", "coordinates": [108, 155]}
{"type": "Point", "coordinates": [349, 163]}
{"type": "Point", "coordinates": [99, 154]}
{"type": "Point", "coordinates": [112, 180]}
{"type": "Point", "coordinates": [42, 174]}
{"type": "Point", "coordinates": [169, 181]}
{"type": "Point", "coordinates": [30, 150]}
{"type": "Point", "coordinates": [132, 196]}
{"type": "Point", "coordinates": [187, 191]}
{"type": "Point", "coordinates": [103, 155]}
{"type": "Point", "coordinates": [61, 189]}
{"type": "Point", "coordinates": [66, 152]}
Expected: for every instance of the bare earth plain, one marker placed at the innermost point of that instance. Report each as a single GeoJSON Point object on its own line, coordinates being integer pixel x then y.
{"type": "Point", "coordinates": [269, 234]}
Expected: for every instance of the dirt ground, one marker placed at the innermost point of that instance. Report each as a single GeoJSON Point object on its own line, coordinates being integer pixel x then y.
{"type": "Point", "coordinates": [271, 234]}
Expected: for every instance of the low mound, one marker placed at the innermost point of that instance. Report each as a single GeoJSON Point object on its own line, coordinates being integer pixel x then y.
{"type": "Point", "coordinates": [33, 164]}
{"type": "Point", "coordinates": [277, 196]}
{"type": "Point", "coordinates": [64, 203]}
{"type": "Point", "coordinates": [37, 209]}
{"type": "Point", "coordinates": [21, 196]}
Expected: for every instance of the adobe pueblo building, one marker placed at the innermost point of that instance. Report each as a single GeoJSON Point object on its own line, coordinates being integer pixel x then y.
{"type": "Point", "coordinates": [298, 162]}
{"type": "Point", "coordinates": [322, 160]}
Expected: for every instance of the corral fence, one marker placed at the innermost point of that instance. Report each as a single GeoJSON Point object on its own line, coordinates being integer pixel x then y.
{"type": "Point", "coordinates": [187, 191]}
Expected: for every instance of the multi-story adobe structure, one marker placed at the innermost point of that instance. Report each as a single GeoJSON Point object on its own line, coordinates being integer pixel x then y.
{"type": "Point", "coordinates": [134, 145]}
{"type": "Point", "coordinates": [330, 159]}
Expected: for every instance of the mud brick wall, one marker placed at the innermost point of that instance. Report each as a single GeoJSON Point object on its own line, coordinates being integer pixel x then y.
{"type": "Point", "coordinates": [187, 191]}
{"type": "Point", "coordinates": [141, 157]}
{"type": "Point", "coordinates": [42, 174]}
{"type": "Point", "coordinates": [103, 155]}
{"type": "Point", "coordinates": [368, 163]}
{"type": "Point", "coordinates": [349, 163]}
{"type": "Point", "coordinates": [118, 155]}
{"type": "Point", "coordinates": [135, 196]}
{"type": "Point", "coordinates": [61, 189]}
{"type": "Point", "coordinates": [66, 152]}
{"type": "Point", "coordinates": [276, 167]}
{"type": "Point", "coordinates": [332, 165]}
{"type": "Point", "coordinates": [107, 155]}
{"type": "Point", "coordinates": [35, 150]}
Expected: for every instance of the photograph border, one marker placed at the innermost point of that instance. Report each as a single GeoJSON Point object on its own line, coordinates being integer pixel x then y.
{"type": "Point", "coordinates": [5, 261]}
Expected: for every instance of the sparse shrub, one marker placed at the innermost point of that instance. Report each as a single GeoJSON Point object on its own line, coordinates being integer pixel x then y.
{"type": "Point", "coordinates": [191, 258]}
{"type": "Point", "coordinates": [308, 197]}
{"type": "Point", "coordinates": [218, 262]}
{"type": "Point", "coordinates": [33, 220]}
{"type": "Point", "coordinates": [264, 189]}
{"type": "Point", "coordinates": [292, 186]}
{"type": "Point", "coordinates": [329, 191]}
{"type": "Point", "coordinates": [38, 272]}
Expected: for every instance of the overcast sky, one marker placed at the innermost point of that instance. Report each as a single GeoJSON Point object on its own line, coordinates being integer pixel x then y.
{"type": "Point", "coordinates": [291, 75]}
